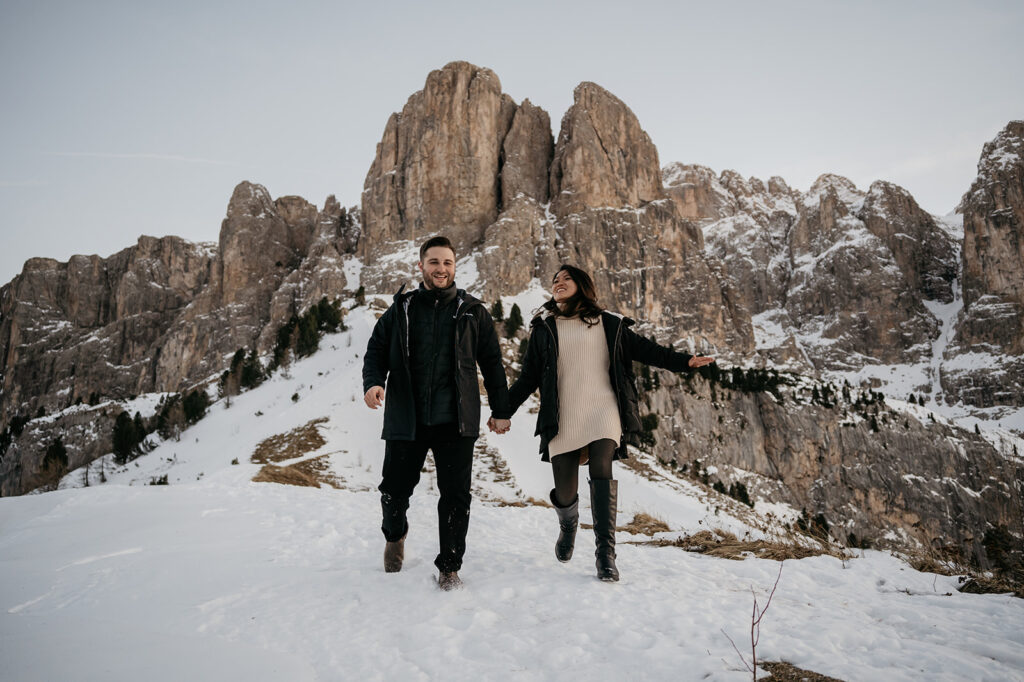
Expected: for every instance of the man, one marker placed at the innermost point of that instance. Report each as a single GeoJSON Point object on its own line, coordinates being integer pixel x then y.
{"type": "Point", "coordinates": [425, 350]}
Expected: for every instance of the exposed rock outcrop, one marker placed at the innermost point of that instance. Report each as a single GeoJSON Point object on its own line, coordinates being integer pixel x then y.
{"type": "Point", "coordinates": [158, 316]}
{"type": "Point", "coordinates": [438, 165]}
{"type": "Point", "coordinates": [922, 249]}
{"type": "Point", "coordinates": [991, 325]}
{"type": "Point", "coordinates": [608, 212]}
{"type": "Point", "coordinates": [838, 277]}
{"type": "Point", "coordinates": [614, 220]}
{"type": "Point", "coordinates": [833, 279]}
{"type": "Point", "coordinates": [603, 158]}
{"type": "Point", "coordinates": [888, 477]}
{"type": "Point", "coordinates": [527, 152]}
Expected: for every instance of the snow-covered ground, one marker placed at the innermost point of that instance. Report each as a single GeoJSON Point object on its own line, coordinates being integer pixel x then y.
{"type": "Point", "coordinates": [217, 577]}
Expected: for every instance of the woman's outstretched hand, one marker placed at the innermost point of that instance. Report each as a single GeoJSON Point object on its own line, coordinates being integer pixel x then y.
{"type": "Point", "coordinates": [700, 360]}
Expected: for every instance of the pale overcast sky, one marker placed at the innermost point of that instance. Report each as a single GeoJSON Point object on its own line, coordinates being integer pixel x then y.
{"type": "Point", "coordinates": [137, 117]}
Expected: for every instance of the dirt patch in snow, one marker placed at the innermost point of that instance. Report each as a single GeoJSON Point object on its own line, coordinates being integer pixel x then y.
{"type": "Point", "coordinates": [787, 672]}
{"type": "Point", "coordinates": [725, 545]}
{"type": "Point", "coordinates": [295, 443]}
{"type": "Point", "coordinates": [310, 473]}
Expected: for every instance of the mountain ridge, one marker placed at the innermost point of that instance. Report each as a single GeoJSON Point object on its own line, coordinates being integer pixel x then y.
{"type": "Point", "coordinates": [838, 275]}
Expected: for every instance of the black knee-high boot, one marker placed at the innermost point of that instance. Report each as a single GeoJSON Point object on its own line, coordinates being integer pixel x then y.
{"type": "Point", "coordinates": [568, 521]}
{"type": "Point", "coordinates": [603, 494]}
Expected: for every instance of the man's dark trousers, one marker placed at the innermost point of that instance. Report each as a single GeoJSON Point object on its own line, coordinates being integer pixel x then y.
{"type": "Point", "coordinates": [453, 460]}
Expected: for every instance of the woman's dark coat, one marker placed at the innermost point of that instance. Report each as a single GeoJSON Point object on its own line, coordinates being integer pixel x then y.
{"type": "Point", "coordinates": [540, 370]}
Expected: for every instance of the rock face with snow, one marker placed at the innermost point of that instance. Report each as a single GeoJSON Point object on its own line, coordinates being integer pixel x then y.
{"type": "Point", "coordinates": [158, 316]}
{"type": "Point", "coordinates": [608, 212]}
{"type": "Point", "coordinates": [614, 220]}
{"type": "Point", "coordinates": [893, 478]}
{"type": "Point", "coordinates": [991, 326]}
{"type": "Point", "coordinates": [834, 278]}
{"type": "Point", "coordinates": [840, 275]}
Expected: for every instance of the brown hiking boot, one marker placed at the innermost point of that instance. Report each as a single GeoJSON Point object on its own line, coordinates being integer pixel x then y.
{"type": "Point", "coordinates": [449, 580]}
{"type": "Point", "coordinates": [394, 554]}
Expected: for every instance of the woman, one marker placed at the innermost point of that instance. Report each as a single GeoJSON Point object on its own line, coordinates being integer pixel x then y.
{"type": "Point", "coordinates": [581, 358]}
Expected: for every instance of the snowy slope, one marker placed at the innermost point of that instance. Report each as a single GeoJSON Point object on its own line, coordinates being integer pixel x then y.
{"type": "Point", "coordinates": [217, 577]}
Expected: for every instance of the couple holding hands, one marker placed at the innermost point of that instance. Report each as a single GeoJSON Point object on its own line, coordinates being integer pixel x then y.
{"type": "Point", "coordinates": [423, 355]}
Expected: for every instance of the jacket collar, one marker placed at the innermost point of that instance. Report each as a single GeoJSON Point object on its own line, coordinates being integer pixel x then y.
{"type": "Point", "coordinates": [607, 316]}
{"type": "Point", "coordinates": [444, 296]}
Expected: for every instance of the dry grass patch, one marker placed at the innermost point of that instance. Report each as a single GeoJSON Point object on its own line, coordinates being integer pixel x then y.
{"type": "Point", "coordinates": [949, 562]}
{"type": "Point", "coordinates": [271, 473]}
{"type": "Point", "coordinates": [725, 545]}
{"type": "Point", "coordinates": [991, 585]}
{"type": "Point", "coordinates": [310, 473]}
{"type": "Point", "coordinates": [787, 672]}
{"type": "Point", "coordinates": [295, 443]}
{"type": "Point", "coordinates": [644, 524]}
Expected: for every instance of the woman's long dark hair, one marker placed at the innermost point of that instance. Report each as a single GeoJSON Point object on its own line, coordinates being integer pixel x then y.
{"type": "Point", "coordinates": [582, 303]}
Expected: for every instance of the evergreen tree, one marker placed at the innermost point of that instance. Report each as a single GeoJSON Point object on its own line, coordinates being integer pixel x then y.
{"type": "Point", "coordinates": [124, 440]}
{"type": "Point", "coordinates": [252, 371]}
{"type": "Point", "coordinates": [329, 316]}
{"type": "Point", "coordinates": [56, 461]}
{"type": "Point", "coordinates": [498, 311]}
{"type": "Point", "coordinates": [514, 322]}
{"type": "Point", "coordinates": [308, 339]}
{"type": "Point", "coordinates": [283, 343]}
{"type": "Point", "coordinates": [140, 430]}
{"type": "Point", "coordinates": [195, 405]}
{"type": "Point", "coordinates": [171, 419]}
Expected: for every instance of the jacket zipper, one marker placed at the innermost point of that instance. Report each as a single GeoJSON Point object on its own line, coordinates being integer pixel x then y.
{"type": "Point", "coordinates": [433, 363]}
{"type": "Point", "coordinates": [455, 362]}
{"type": "Point", "coordinates": [554, 340]}
{"type": "Point", "coordinates": [611, 362]}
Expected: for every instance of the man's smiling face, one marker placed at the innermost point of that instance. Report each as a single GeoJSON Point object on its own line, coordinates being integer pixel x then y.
{"type": "Point", "coordinates": [438, 267]}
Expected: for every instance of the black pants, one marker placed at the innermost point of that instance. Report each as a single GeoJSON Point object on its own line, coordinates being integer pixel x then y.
{"type": "Point", "coordinates": [566, 466]}
{"type": "Point", "coordinates": [453, 460]}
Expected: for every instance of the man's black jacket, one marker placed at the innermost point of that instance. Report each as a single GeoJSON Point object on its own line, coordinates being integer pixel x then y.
{"type": "Point", "coordinates": [386, 363]}
{"type": "Point", "coordinates": [540, 370]}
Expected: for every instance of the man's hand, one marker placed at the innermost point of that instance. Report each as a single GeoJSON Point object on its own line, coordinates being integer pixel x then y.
{"type": "Point", "coordinates": [374, 398]}
{"type": "Point", "coordinates": [499, 425]}
{"type": "Point", "coordinates": [700, 361]}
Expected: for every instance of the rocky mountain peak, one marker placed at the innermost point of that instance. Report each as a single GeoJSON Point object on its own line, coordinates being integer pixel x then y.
{"type": "Point", "coordinates": [697, 192]}
{"type": "Point", "coordinates": [438, 164]}
{"type": "Point", "coordinates": [923, 250]}
{"type": "Point", "coordinates": [834, 188]}
{"type": "Point", "coordinates": [603, 158]}
{"type": "Point", "coordinates": [249, 200]}
{"type": "Point", "coordinates": [527, 150]}
{"type": "Point", "coordinates": [992, 321]}
{"type": "Point", "coordinates": [1003, 152]}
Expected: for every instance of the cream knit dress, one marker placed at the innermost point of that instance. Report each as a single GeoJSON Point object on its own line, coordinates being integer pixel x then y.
{"type": "Point", "coordinates": [587, 408]}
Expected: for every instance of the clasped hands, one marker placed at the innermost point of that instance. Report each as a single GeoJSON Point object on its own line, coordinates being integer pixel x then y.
{"type": "Point", "coordinates": [374, 398]}
{"type": "Point", "coordinates": [499, 425]}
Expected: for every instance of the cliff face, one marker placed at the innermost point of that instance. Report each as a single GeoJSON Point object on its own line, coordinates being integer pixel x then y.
{"type": "Point", "coordinates": [892, 477]}
{"type": "Point", "coordinates": [841, 275]}
{"type": "Point", "coordinates": [608, 211]}
{"type": "Point", "coordinates": [438, 165]}
{"type": "Point", "coordinates": [834, 278]}
{"type": "Point", "coordinates": [156, 317]}
{"type": "Point", "coordinates": [991, 325]}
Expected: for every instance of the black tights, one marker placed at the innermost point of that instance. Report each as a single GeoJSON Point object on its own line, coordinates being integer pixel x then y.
{"type": "Point", "coordinates": [566, 469]}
